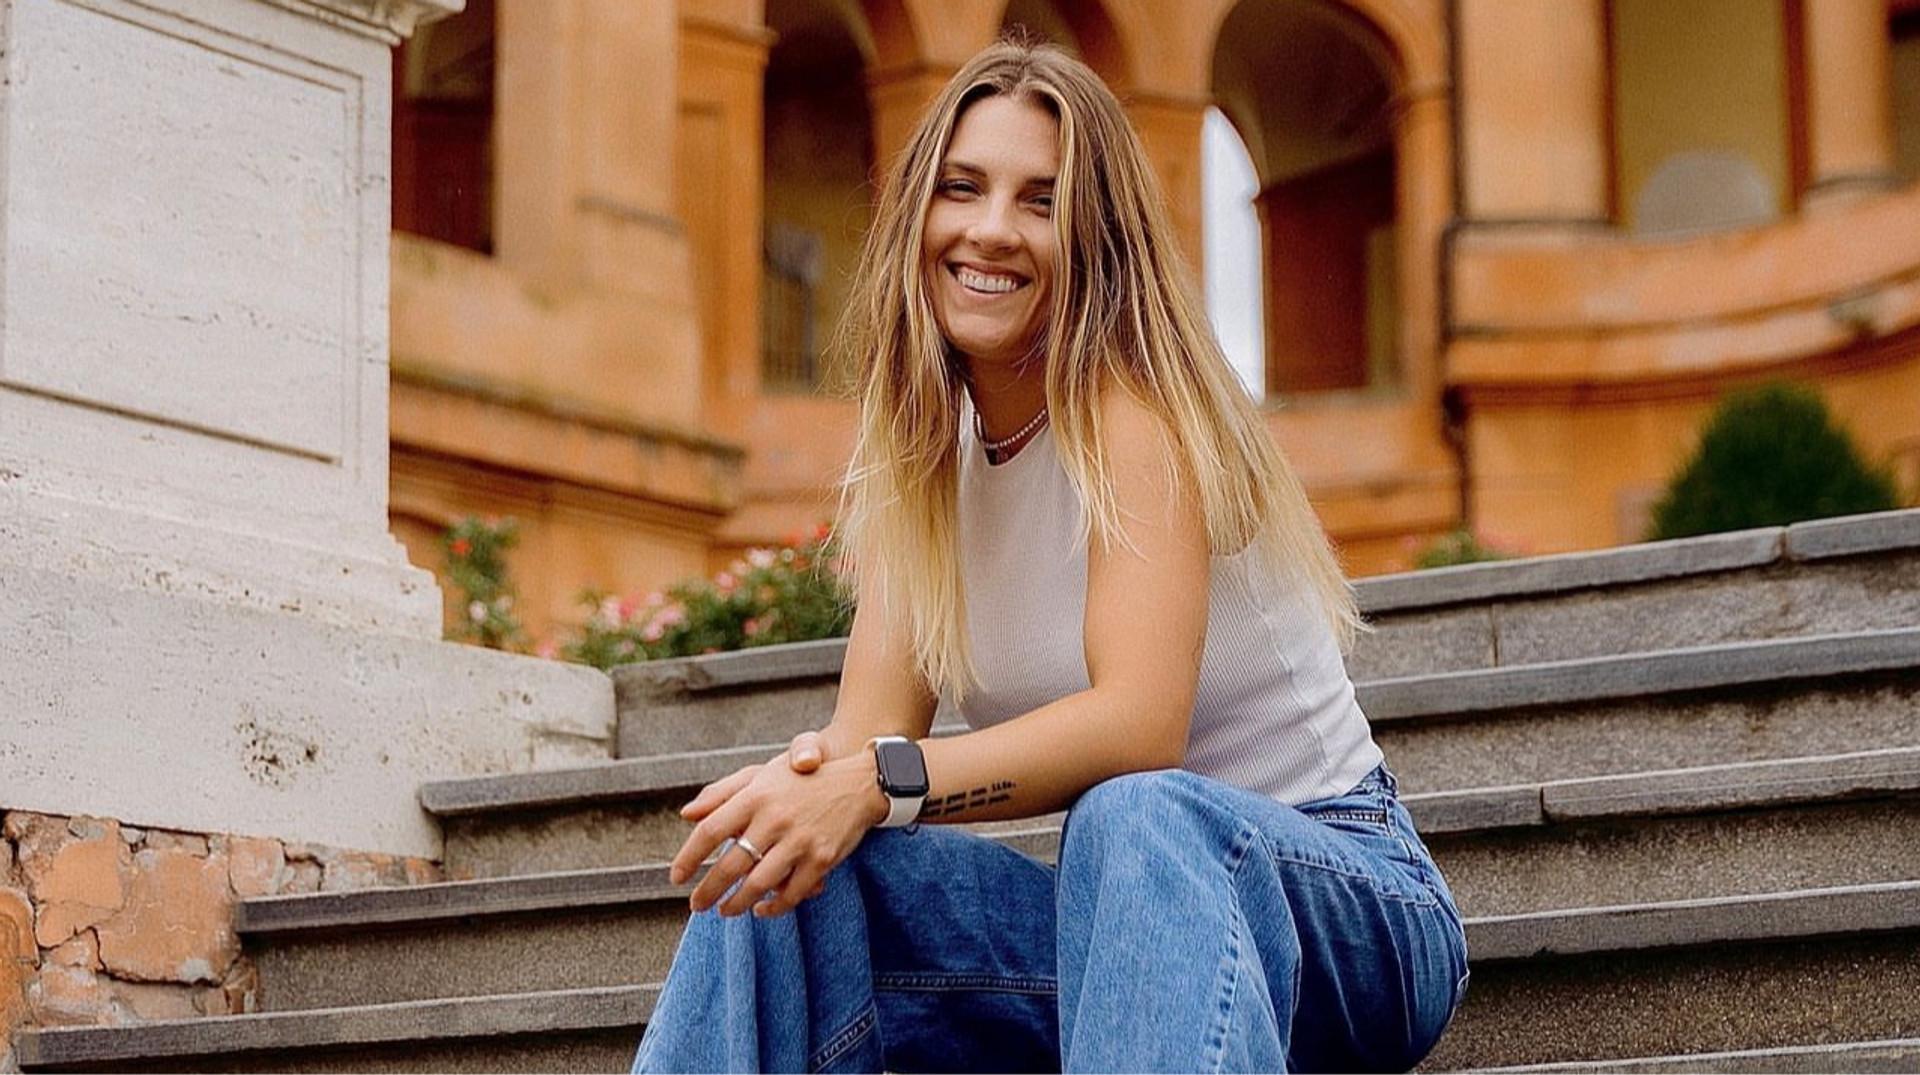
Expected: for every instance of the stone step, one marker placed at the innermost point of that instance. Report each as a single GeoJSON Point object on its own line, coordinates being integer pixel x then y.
{"type": "Point", "coordinates": [1750, 701]}
{"type": "Point", "coordinates": [1761, 972]}
{"type": "Point", "coordinates": [1588, 985]}
{"type": "Point", "coordinates": [1892, 1055]}
{"type": "Point", "coordinates": [1722, 830]}
{"type": "Point", "coordinates": [1718, 831]}
{"type": "Point", "coordinates": [563, 1030]}
{"type": "Point", "coordinates": [1829, 577]}
{"type": "Point", "coordinates": [606, 815]}
{"type": "Point", "coordinates": [1745, 701]}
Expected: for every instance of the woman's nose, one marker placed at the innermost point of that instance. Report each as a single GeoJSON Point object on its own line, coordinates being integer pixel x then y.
{"type": "Point", "coordinates": [993, 228]}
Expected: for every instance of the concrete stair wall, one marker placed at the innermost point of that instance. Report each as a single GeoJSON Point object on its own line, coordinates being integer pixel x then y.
{"type": "Point", "coordinates": [1674, 788]}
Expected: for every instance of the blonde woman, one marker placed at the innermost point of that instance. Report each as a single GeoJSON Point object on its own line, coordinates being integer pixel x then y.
{"type": "Point", "coordinates": [1065, 516]}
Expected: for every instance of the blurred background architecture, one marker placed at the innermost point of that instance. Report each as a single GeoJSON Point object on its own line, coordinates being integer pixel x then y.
{"type": "Point", "coordinates": [1488, 263]}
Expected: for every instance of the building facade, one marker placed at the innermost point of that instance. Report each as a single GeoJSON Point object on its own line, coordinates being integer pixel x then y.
{"type": "Point", "coordinates": [1512, 252]}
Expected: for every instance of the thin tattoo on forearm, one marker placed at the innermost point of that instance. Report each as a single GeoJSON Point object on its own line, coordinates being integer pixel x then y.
{"type": "Point", "coordinates": [948, 805]}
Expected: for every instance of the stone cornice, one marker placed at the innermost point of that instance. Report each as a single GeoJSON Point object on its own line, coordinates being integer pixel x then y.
{"type": "Point", "coordinates": [391, 21]}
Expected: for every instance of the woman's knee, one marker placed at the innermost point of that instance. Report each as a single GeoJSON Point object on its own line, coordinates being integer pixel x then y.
{"type": "Point", "coordinates": [1141, 809]}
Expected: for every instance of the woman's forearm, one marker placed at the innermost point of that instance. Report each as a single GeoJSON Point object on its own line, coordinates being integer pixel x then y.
{"type": "Point", "coordinates": [1043, 760]}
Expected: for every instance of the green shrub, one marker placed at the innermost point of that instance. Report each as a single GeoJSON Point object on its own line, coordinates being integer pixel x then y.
{"type": "Point", "coordinates": [1457, 547]}
{"type": "Point", "coordinates": [1769, 456]}
{"type": "Point", "coordinates": [789, 594]}
{"type": "Point", "coordinates": [477, 567]}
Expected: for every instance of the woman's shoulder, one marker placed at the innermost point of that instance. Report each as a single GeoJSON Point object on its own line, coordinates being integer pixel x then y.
{"type": "Point", "coordinates": [1136, 436]}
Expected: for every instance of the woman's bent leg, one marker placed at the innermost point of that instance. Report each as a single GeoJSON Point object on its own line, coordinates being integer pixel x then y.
{"type": "Point", "coordinates": [926, 951]}
{"type": "Point", "coordinates": [1207, 928]}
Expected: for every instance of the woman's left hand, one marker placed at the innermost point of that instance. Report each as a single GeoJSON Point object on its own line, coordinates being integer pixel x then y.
{"type": "Point", "coordinates": [803, 824]}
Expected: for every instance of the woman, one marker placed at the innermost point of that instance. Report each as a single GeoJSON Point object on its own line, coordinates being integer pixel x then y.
{"type": "Point", "coordinates": [1065, 516]}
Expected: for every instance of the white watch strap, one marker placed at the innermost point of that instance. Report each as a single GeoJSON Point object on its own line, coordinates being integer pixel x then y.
{"type": "Point", "coordinates": [902, 811]}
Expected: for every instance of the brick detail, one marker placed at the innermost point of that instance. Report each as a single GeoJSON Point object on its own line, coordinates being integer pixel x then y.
{"type": "Point", "coordinates": [103, 923]}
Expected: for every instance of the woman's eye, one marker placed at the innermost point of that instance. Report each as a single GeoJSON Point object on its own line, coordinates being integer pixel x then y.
{"type": "Point", "coordinates": [956, 186]}
{"type": "Point", "coordinates": [1042, 202]}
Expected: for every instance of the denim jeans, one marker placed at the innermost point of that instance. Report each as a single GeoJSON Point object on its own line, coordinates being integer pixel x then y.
{"type": "Point", "coordinates": [1189, 926]}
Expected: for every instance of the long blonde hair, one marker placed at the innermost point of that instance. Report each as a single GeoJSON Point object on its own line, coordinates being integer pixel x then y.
{"type": "Point", "coordinates": [1124, 310]}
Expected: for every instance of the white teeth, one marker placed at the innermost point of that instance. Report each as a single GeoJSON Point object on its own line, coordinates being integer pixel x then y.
{"type": "Point", "coordinates": [979, 281]}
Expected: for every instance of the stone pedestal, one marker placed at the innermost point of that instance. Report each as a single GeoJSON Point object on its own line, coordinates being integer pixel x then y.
{"type": "Point", "coordinates": [205, 622]}
{"type": "Point", "coordinates": [193, 333]}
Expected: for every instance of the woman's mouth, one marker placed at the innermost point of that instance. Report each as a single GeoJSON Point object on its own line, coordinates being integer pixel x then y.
{"type": "Point", "coordinates": [986, 283]}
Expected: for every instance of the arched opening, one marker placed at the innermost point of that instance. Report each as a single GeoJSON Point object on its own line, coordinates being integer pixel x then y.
{"type": "Point", "coordinates": [818, 198]}
{"type": "Point", "coordinates": [1903, 32]}
{"type": "Point", "coordinates": [1230, 229]}
{"type": "Point", "coordinates": [1080, 26]}
{"type": "Point", "coordinates": [443, 130]}
{"type": "Point", "coordinates": [1701, 104]}
{"type": "Point", "coordinates": [1307, 84]}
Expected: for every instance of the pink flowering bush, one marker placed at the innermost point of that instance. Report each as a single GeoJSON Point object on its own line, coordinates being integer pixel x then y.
{"type": "Point", "coordinates": [789, 594]}
{"type": "Point", "coordinates": [476, 570]}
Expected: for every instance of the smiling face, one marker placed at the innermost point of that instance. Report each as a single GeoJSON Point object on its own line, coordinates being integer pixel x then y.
{"type": "Point", "coordinates": [989, 247]}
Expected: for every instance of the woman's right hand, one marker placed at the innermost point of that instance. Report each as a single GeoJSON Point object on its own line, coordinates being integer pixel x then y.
{"type": "Point", "coordinates": [805, 754]}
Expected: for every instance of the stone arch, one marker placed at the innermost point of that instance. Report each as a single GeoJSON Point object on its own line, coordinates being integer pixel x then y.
{"type": "Point", "coordinates": [442, 129]}
{"type": "Point", "coordinates": [818, 157]}
{"type": "Point", "coordinates": [1086, 27]}
{"type": "Point", "coordinates": [1313, 89]}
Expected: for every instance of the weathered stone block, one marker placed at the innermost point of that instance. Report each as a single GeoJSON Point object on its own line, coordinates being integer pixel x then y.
{"type": "Point", "coordinates": [67, 995]}
{"type": "Point", "coordinates": [77, 882]}
{"type": "Point", "coordinates": [255, 866]}
{"type": "Point", "coordinates": [177, 924]}
{"type": "Point", "coordinates": [80, 950]}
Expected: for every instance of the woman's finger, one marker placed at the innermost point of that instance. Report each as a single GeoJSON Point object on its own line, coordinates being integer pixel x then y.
{"type": "Point", "coordinates": [801, 885]}
{"type": "Point", "coordinates": [763, 878]}
{"type": "Point", "coordinates": [807, 752]}
{"type": "Point", "coordinates": [716, 793]}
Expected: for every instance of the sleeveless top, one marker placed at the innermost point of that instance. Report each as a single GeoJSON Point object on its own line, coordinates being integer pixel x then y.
{"type": "Point", "coordinates": [1275, 712]}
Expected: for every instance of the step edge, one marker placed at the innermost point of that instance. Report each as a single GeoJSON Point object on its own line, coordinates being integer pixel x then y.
{"type": "Point", "coordinates": [645, 882]}
{"type": "Point", "coordinates": [1639, 675]}
{"type": "Point", "coordinates": [551, 1011]}
{"type": "Point", "coordinates": [1662, 1063]}
{"type": "Point", "coordinates": [1889, 906]}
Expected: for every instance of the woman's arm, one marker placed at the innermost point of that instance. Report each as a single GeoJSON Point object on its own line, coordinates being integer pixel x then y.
{"type": "Point", "coordinates": [1145, 629]}
{"type": "Point", "coordinates": [1144, 633]}
{"type": "Point", "coordinates": [881, 691]}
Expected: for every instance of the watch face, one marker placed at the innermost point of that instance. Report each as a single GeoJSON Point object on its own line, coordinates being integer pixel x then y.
{"type": "Point", "coordinates": [903, 771]}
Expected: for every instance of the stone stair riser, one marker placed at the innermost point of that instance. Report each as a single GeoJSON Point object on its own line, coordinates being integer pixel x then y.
{"type": "Point", "coordinates": [1650, 859]}
{"type": "Point", "coordinates": [1782, 720]}
{"type": "Point", "coordinates": [607, 1050]}
{"type": "Point", "coordinates": [1781, 601]}
{"type": "Point", "coordinates": [563, 948]}
{"type": "Point", "coordinates": [1706, 999]}
{"type": "Point", "coordinates": [598, 837]}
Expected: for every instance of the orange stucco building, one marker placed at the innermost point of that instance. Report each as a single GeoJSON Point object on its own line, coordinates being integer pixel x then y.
{"type": "Point", "coordinates": [1512, 251]}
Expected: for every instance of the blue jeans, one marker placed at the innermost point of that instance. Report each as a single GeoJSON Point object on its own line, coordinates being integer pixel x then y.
{"type": "Point", "coordinates": [1189, 926]}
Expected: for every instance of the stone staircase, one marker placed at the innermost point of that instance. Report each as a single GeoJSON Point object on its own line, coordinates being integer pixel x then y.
{"type": "Point", "coordinates": [1675, 788]}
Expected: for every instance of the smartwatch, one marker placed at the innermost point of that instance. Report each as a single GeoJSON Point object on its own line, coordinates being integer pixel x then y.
{"type": "Point", "coordinates": [903, 777]}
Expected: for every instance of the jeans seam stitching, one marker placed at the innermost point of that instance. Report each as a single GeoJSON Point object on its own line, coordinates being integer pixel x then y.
{"type": "Point", "coordinates": [1236, 922]}
{"type": "Point", "coordinates": [923, 982]}
{"type": "Point", "coordinates": [1372, 882]}
{"type": "Point", "coordinates": [847, 1038]}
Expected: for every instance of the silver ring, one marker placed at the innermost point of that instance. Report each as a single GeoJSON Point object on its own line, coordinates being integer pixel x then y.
{"type": "Point", "coordinates": [741, 842]}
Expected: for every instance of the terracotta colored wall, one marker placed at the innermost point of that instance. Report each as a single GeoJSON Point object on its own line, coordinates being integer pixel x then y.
{"type": "Point", "coordinates": [624, 418]}
{"type": "Point", "coordinates": [1699, 75]}
{"type": "Point", "coordinates": [1317, 247]}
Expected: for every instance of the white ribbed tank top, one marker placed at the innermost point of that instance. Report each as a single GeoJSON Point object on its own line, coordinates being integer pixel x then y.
{"type": "Point", "coordinates": [1275, 712]}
